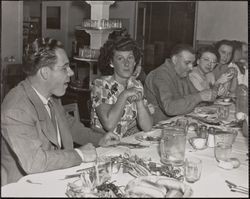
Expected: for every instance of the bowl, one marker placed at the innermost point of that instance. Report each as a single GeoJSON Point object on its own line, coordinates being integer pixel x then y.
{"type": "Point", "coordinates": [198, 143]}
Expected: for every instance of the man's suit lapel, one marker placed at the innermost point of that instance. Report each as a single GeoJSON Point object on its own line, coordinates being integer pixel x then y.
{"type": "Point", "coordinates": [43, 116]}
{"type": "Point", "coordinates": [66, 138]}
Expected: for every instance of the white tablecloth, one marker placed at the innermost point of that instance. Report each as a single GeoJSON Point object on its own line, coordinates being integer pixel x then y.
{"type": "Point", "coordinates": [211, 184]}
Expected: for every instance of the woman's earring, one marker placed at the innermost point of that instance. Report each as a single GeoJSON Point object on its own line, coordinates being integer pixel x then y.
{"type": "Point", "coordinates": [111, 65]}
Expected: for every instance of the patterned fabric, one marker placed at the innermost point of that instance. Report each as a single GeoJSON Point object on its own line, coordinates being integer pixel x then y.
{"type": "Point", "coordinates": [106, 90]}
{"type": "Point", "coordinates": [201, 81]}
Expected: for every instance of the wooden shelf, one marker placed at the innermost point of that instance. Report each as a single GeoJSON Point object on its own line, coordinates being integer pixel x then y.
{"type": "Point", "coordinates": [84, 59]}
{"type": "Point", "coordinates": [96, 29]}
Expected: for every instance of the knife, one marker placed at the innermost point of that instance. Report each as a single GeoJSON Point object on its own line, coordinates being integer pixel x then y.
{"type": "Point", "coordinates": [130, 145]}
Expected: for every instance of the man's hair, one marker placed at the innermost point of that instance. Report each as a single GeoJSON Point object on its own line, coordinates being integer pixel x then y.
{"type": "Point", "coordinates": [118, 41]}
{"type": "Point", "coordinates": [209, 49]}
{"type": "Point", "coordinates": [180, 48]}
{"type": "Point", "coordinates": [40, 53]}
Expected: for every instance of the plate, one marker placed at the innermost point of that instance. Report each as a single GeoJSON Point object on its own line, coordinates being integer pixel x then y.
{"type": "Point", "coordinates": [205, 110]}
{"type": "Point", "coordinates": [157, 187]}
{"type": "Point", "coordinates": [222, 102]}
{"type": "Point", "coordinates": [152, 137]}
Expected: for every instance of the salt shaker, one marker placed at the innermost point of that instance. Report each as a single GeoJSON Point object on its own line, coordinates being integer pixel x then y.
{"type": "Point", "coordinates": [203, 131]}
{"type": "Point", "coordinates": [210, 139]}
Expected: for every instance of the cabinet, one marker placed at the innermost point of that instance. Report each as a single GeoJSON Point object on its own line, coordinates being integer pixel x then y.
{"type": "Point", "coordinates": [31, 31]}
{"type": "Point", "coordinates": [98, 27]}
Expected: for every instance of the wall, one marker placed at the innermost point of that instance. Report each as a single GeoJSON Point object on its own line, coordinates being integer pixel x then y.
{"type": "Point", "coordinates": [218, 20]}
{"type": "Point", "coordinates": [126, 10]}
{"type": "Point", "coordinates": [12, 28]}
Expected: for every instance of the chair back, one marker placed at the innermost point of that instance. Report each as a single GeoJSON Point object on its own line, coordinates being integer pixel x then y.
{"type": "Point", "coordinates": [72, 109]}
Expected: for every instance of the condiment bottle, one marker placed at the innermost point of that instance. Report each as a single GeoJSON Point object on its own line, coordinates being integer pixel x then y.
{"type": "Point", "coordinates": [203, 131]}
{"type": "Point", "coordinates": [210, 139]}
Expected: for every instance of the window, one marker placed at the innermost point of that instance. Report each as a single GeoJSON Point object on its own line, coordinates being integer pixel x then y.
{"type": "Point", "coordinates": [53, 17]}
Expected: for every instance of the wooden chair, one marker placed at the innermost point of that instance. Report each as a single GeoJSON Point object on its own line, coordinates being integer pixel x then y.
{"type": "Point", "coordinates": [73, 110]}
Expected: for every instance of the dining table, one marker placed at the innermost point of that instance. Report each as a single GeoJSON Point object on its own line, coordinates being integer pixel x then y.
{"type": "Point", "coordinates": [212, 182]}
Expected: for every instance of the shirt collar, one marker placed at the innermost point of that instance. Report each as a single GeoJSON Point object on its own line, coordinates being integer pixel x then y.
{"type": "Point", "coordinates": [44, 100]}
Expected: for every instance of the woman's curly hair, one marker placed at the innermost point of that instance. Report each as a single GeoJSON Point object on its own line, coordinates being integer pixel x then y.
{"type": "Point", "coordinates": [117, 41]}
{"type": "Point", "coordinates": [40, 53]}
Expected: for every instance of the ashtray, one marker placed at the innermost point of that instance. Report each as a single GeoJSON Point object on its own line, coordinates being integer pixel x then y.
{"type": "Point", "coordinates": [198, 143]}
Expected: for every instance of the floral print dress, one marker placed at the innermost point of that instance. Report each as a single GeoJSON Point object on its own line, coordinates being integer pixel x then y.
{"type": "Point", "coordinates": [106, 90]}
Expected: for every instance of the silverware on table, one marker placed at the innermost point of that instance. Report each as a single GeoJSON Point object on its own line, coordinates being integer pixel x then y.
{"type": "Point", "coordinates": [236, 188]}
{"type": "Point", "coordinates": [239, 191]}
{"type": "Point", "coordinates": [31, 182]}
{"type": "Point", "coordinates": [130, 145]}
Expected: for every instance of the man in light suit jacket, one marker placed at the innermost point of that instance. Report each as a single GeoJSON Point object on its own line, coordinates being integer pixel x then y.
{"type": "Point", "coordinates": [31, 142]}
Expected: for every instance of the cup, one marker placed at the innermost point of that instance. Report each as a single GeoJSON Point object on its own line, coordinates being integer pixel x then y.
{"type": "Point", "coordinates": [222, 151]}
{"type": "Point", "coordinates": [193, 167]}
{"type": "Point", "coordinates": [182, 123]}
{"type": "Point", "coordinates": [172, 146]}
{"type": "Point", "coordinates": [228, 136]}
{"type": "Point", "coordinates": [223, 112]}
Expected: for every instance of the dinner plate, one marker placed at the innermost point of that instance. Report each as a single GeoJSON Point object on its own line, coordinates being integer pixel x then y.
{"type": "Point", "coordinates": [152, 137]}
{"type": "Point", "coordinates": [222, 102]}
{"type": "Point", "coordinates": [205, 110]}
{"type": "Point", "coordinates": [157, 186]}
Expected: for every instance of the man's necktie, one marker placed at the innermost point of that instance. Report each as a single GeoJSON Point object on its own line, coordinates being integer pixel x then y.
{"type": "Point", "coordinates": [52, 113]}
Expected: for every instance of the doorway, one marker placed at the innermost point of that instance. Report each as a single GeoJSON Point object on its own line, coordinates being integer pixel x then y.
{"type": "Point", "coordinates": [162, 25]}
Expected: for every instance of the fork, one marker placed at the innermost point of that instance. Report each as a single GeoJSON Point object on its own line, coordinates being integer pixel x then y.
{"type": "Point", "coordinates": [234, 186]}
{"type": "Point", "coordinates": [239, 191]}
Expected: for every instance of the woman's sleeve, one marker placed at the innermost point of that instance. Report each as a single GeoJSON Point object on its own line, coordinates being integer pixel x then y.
{"type": "Point", "coordinates": [100, 92]}
{"type": "Point", "coordinates": [197, 81]}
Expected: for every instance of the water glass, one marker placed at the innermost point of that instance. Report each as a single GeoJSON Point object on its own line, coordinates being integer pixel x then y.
{"type": "Point", "coordinates": [223, 112]}
{"type": "Point", "coordinates": [228, 136]}
{"type": "Point", "coordinates": [222, 151]}
{"type": "Point", "coordinates": [182, 123]}
{"type": "Point", "coordinates": [193, 167]}
{"type": "Point", "coordinates": [172, 146]}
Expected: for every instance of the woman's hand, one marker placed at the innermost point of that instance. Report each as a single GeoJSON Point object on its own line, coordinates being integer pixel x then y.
{"type": "Point", "coordinates": [133, 94]}
{"type": "Point", "coordinates": [109, 139]}
{"type": "Point", "coordinates": [225, 77]}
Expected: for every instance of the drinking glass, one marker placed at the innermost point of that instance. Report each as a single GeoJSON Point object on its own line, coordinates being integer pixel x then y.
{"type": "Point", "coordinates": [193, 167]}
{"type": "Point", "coordinates": [228, 136]}
{"type": "Point", "coordinates": [223, 112]}
{"type": "Point", "coordinates": [222, 151]}
{"type": "Point", "coordinates": [172, 146]}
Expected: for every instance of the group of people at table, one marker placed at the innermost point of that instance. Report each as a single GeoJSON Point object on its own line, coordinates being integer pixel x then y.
{"type": "Point", "coordinates": [39, 136]}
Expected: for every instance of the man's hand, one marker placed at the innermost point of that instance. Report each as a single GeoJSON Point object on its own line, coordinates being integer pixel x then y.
{"type": "Point", "coordinates": [109, 139]}
{"type": "Point", "coordinates": [88, 152]}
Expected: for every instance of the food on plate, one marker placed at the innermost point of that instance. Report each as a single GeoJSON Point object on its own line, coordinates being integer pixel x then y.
{"type": "Point", "coordinates": [157, 186]}
{"type": "Point", "coordinates": [146, 188]}
{"type": "Point", "coordinates": [153, 137]}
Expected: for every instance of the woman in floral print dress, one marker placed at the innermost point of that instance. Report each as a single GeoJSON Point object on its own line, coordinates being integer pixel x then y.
{"type": "Point", "coordinates": [118, 103]}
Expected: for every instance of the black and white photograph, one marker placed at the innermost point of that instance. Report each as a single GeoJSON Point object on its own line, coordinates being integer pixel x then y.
{"type": "Point", "coordinates": [124, 99]}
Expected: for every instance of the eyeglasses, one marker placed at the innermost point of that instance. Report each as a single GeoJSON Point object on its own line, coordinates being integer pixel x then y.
{"type": "Point", "coordinates": [209, 61]}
